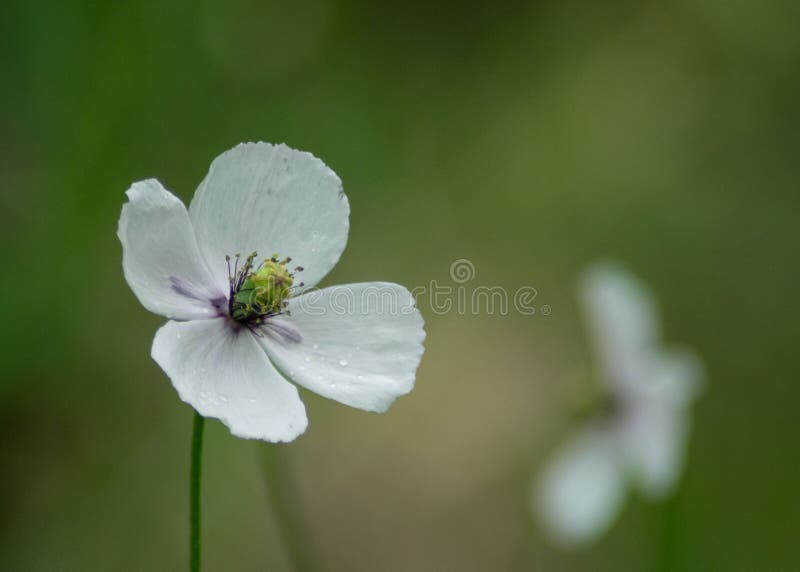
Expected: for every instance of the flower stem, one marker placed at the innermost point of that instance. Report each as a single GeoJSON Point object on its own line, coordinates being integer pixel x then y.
{"type": "Point", "coordinates": [194, 492]}
{"type": "Point", "coordinates": [670, 537]}
{"type": "Point", "coordinates": [285, 503]}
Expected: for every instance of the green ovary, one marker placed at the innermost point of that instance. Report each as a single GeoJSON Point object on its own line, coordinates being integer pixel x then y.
{"type": "Point", "coordinates": [264, 292]}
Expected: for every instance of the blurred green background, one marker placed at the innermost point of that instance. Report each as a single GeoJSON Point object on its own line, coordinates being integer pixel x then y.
{"type": "Point", "coordinates": [528, 137]}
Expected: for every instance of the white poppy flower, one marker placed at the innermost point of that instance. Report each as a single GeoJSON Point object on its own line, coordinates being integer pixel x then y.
{"type": "Point", "coordinates": [243, 326]}
{"type": "Point", "coordinates": [638, 439]}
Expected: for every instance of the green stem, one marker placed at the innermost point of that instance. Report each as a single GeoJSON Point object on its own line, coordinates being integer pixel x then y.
{"type": "Point", "coordinates": [670, 520]}
{"type": "Point", "coordinates": [285, 502]}
{"type": "Point", "coordinates": [194, 492]}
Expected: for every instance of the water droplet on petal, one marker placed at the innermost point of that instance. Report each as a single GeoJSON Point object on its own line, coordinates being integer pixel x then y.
{"type": "Point", "coordinates": [223, 398]}
{"type": "Point", "coordinates": [316, 346]}
{"type": "Point", "coordinates": [342, 362]}
{"type": "Point", "coordinates": [308, 359]}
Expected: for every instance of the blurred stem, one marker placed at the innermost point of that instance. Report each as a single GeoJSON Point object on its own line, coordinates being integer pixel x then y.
{"type": "Point", "coordinates": [285, 502]}
{"type": "Point", "coordinates": [670, 531]}
{"type": "Point", "coordinates": [194, 492]}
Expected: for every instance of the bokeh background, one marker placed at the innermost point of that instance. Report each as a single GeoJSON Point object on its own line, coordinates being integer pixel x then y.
{"type": "Point", "coordinates": [528, 137]}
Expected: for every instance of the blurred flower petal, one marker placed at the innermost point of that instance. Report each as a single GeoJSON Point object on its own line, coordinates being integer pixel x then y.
{"type": "Point", "coordinates": [622, 321]}
{"type": "Point", "coordinates": [581, 488]}
{"type": "Point", "coordinates": [655, 430]}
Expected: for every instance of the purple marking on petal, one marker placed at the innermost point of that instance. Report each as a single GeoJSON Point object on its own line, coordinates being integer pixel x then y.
{"type": "Point", "coordinates": [184, 288]}
{"type": "Point", "coordinates": [220, 305]}
{"type": "Point", "coordinates": [282, 332]}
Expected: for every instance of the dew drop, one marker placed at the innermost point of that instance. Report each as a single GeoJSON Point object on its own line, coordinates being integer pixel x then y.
{"type": "Point", "coordinates": [316, 346]}
{"type": "Point", "coordinates": [223, 398]}
{"type": "Point", "coordinates": [203, 396]}
{"type": "Point", "coordinates": [308, 359]}
{"type": "Point", "coordinates": [342, 362]}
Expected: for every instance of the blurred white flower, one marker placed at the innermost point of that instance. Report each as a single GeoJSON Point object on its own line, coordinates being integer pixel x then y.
{"type": "Point", "coordinates": [241, 326]}
{"type": "Point", "coordinates": [638, 438]}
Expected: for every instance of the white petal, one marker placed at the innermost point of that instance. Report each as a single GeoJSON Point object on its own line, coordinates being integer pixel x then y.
{"type": "Point", "coordinates": [222, 372]}
{"type": "Point", "coordinates": [622, 321]}
{"type": "Point", "coordinates": [271, 199]}
{"type": "Point", "coordinates": [581, 488]}
{"type": "Point", "coordinates": [656, 423]}
{"type": "Point", "coordinates": [359, 344]}
{"type": "Point", "coordinates": [160, 258]}
{"type": "Point", "coordinates": [656, 445]}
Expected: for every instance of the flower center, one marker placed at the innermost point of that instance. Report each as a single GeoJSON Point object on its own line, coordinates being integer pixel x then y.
{"type": "Point", "coordinates": [259, 292]}
{"type": "Point", "coordinates": [593, 400]}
